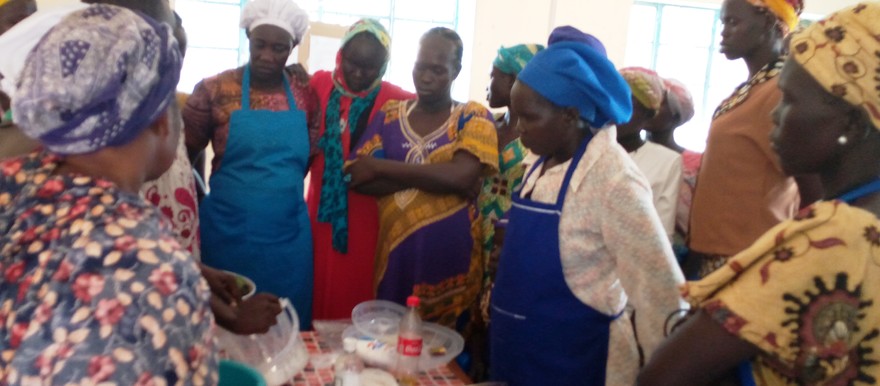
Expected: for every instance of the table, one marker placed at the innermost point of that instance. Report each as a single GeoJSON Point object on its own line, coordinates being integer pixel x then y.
{"type": "Point", "coordinates": [449, 375]}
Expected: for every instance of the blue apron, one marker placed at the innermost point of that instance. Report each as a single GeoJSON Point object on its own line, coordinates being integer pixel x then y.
{"type": "Point", "coordinates": [254, 221]}
{"type": "Point", "coordinates": [540, 333]}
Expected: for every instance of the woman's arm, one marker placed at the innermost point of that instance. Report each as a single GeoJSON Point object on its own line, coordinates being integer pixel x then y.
{"type": "Point", "coordinates": [198, 121]}
{"type": "Point", "coordinates": [378, 177]}
{"type": "Point", "coordinates": [476, 155]}
{"type": "Point", "coordinates": [700, 352]}
{"type": "Point", "coordinates": [645, 264]}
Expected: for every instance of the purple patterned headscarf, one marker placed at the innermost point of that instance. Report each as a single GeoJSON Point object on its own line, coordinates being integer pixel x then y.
{"type": "Point", "coordinates": [97, 79]}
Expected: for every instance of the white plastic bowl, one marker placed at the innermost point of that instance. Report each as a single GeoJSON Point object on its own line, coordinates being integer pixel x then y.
{"type": "Point", "coordinates": [377, 318]}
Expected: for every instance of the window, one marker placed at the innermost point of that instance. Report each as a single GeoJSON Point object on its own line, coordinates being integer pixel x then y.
{"type": "Point", "coordinates": [681, 42]}
{"type": "Point", "coordinates": [216, 43]}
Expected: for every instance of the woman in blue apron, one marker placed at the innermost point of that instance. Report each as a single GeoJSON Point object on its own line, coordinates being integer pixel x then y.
{"type": "Point", "coordinates": [800, 305]}
{"type": "Point", "coordinates": [254, 221]}
{"type": "Point", "coordinates": [583, 239]}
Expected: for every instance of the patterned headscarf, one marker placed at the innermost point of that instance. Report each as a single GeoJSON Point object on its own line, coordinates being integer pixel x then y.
{"type": "Point", "coordinates": [372, 27]}
{"type": "Point", "coordinates": [786, 11]}
{"type": "Point", "coordinates": [572, 74]}
{"type": "Point", "coordinates": [646, 86]}
{"type": "Point", "coordinates": [333, 207]}
{"type": "Point", "coordinates": [284, 14]}
{"type": "Point", "coordinates": [97, 79]}
{"type": "Point", "coordinates": [511, 60]}
{"type": "Point", "coordinates": [842, 53]}
{"type": "Point", "coordinates": [684, 98]}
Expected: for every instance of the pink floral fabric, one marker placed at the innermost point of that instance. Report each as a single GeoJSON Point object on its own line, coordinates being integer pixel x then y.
{"type": "Point", "coordinates": [174, 193]}
{"type": "Point", "coordinates": [94, 289]}
{"type": "Point", "coordinates": [690, 168]}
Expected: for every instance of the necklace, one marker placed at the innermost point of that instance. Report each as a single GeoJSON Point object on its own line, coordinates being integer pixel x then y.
{"type": "Point", "coordinates": [769, 71]}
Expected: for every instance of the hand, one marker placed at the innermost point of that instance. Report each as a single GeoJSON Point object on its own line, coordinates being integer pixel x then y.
{"type": "Point", "coordinates": [475, 190]}
{"type": "Point", "coordinates": [298, 73]}
{"type": "Point", "coordinates": [223, 284]}
{"type": "Point", "coordinates": [362, 170]}
{"type": "Point", "coordinates": [255, 315]}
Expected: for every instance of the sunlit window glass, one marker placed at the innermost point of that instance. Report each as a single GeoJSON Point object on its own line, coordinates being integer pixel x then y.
{"type": "Point", "coordinates": [216, 43]}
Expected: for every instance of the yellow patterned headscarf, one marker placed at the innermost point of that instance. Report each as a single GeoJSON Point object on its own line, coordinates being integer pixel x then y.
{"type": "Point", "coordinates": [842, 52]}
{"type": "Point", "coordinates": [647, 87]}
{"type": "Point", "coordinates": [3, 2]}
{"type": "Point", "coordinates": [786, 11]}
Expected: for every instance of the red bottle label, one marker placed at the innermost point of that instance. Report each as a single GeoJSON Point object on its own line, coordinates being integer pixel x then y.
{"type": "Point", "coordinates": [409, 347]}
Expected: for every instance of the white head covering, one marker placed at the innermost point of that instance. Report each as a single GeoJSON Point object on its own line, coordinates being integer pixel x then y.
{"type": "Point", "coordinates": [284, 14]}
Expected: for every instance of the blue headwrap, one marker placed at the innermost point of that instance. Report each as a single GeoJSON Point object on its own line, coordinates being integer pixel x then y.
{"type": "Point", "coordinates": [572, 74]}
{"type": "Point", "coordinates": [570, 34]}
{"type": "Point", "coordinates": [97, 79]}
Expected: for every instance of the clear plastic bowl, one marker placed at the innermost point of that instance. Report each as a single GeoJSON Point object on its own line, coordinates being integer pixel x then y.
{"type": "Point", "coordinates": [435, 337]}
{"type": "Point", "coordinates": [439, 346]}
{"type": "Point", "coordinates": [377, 318]}
{"type": "Point", "coordinates": [278, 355]}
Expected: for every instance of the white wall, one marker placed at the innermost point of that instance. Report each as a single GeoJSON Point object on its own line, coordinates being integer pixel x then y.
{"type": "Point", "coordinates": [506, 22]}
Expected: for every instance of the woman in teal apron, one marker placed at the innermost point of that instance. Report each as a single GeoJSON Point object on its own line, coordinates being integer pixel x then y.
{"type": "Point", "coordinates": [254, 221]}
{"type": "Point", "coordinates": [583, 240]}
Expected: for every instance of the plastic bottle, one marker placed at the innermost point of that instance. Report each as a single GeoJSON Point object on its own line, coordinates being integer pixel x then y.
{"type": "Point", "coordinates": [348, 367]}
{"type": "Point", "coordinates": [409, 344]}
